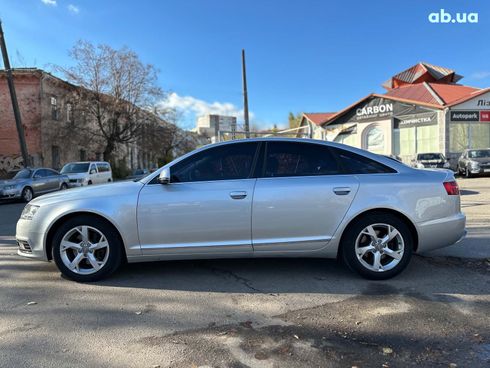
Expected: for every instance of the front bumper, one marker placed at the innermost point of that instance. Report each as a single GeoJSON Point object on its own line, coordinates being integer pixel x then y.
{"type": "Point", "coordinates": [10, 193]}
{"type": "Point", "coordinates": [441, 233]}
{"type": "Point", "coordinates": [30, 240]}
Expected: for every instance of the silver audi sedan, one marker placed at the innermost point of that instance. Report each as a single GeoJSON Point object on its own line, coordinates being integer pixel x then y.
{"type": "Point", "coordinates": [251, 198]}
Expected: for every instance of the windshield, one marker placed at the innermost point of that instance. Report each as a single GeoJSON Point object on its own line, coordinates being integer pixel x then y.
{"type": "Point", "coordinates": [74, 168]}
{"type": "Point", "coordinates": [430, 156]}
{"type": "Point", "coordinates": [23, 174]}
{"type": "Point", "coordinates": [479, 154]}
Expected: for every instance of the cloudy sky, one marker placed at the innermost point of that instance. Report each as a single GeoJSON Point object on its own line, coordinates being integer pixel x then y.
{"type": "Point", "coordinates": [308, 55]}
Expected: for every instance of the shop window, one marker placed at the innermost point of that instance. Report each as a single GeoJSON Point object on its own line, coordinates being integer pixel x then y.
{"type": "Point", "coordinates": [349, 139]}
{"type": "Point", "coordinates": [427, 139]}
{"type": "Point", "coordinates": [468, 135]}
{"type": "Point", "coordinates": [375, 140]}
{"type": "Point", "coordinates": [480, 135]}
{"type": "Point", "coordinates": [407, 141]}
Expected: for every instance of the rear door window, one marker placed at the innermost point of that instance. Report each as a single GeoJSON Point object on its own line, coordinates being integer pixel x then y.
{"type": "Point", "coordinates": [299, 159]}
{"type": "Point", "coordinates": [352, 163]}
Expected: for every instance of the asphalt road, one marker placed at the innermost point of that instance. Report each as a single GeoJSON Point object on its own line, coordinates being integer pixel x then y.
{"type": "Point", "coordinates": [252, 313]}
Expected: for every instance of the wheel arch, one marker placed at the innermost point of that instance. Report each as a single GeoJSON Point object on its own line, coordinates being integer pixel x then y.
{"type": "Point", "coordinates": [391, 211]}
{"type": "Point", "coordinates": [62, 219]}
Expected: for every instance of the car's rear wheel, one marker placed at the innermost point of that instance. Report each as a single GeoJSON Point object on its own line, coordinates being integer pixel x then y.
{"type": "Point", "coordinates": [377, 246]}
{"type": "Point", "coordinates": [87, 249]}
{"type": "Point", "coordinates": [27, 194]}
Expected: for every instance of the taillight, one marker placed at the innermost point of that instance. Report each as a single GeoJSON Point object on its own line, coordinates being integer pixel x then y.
{"type": "Point", "coordinates": [451, 187]}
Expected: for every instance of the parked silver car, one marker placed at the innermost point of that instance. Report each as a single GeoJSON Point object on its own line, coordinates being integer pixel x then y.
{"type": "Point", "coordinates": [251, 198]}
{"type": "Point", "coordinates": [28, 183]}
{"type": "Point", "coordinates": [474, 162]}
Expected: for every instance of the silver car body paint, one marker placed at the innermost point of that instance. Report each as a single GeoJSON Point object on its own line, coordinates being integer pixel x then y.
{"type": "Point", "coordinates": [287, 216]}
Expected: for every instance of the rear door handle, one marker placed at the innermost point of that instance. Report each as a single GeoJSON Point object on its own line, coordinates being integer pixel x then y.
{"type": "Point", "coordinates": [238, 194]}
{"type": "Point", "coordinates": [341, 190]}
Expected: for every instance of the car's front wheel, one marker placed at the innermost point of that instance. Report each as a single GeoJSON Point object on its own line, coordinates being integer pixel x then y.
{"type": "Point", "coordinates": [377, 246]}
{"type": "Point", "coordinates": [27, 194]}
{"type": "Point", "coordinates": [87, 249]}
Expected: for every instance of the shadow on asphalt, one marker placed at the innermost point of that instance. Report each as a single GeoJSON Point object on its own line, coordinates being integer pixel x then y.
{"type": "Point", "coordinates": [468, 192]}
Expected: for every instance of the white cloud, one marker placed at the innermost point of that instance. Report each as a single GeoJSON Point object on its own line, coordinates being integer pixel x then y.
{"type": "Point", "coordinates": [73, 9]}
{"type": "Point", "coordinates": [480, 75]}
{"type": "Point", "coordinates": [49, 2]}
{"type": "Point", "coordinates": [190, 108]}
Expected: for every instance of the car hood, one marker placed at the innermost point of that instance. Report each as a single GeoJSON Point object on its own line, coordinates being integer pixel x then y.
{"type": "Point", "coordinates": [438, 161]}
{"type": "Point", "coordinates": [482, 160]}
{"type": "Point", "coordinates": [12, 182]}
{"type": "Point", "coordinates": [92, 191]}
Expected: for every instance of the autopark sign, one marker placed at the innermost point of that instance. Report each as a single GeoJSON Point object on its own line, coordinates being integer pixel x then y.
{"type": "Point", "coordinates": [470, 115]}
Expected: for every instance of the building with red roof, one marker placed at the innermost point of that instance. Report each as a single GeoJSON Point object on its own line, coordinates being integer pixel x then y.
{"type": "Point", "coordinates": [424, 109]}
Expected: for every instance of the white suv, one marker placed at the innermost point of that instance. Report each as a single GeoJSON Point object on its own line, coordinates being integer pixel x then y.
{"type": "Point", "coordinates": [87, 173]}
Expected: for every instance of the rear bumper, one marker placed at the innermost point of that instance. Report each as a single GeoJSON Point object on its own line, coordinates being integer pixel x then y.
{"type": "Point", "coordinates": [441, 232]}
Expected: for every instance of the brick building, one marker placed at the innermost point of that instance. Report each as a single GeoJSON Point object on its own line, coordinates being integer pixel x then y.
{"type": "Point", "coordinates": [48, 114]}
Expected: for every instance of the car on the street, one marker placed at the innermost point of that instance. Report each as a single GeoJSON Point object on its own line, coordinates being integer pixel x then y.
{"type": "Point", "coordinates": [431, 161]}
{"type": "Point", "coordinates": [138, 174]}
{"type": "Point", "coordinates": [474, 162]}
{"type": "Point", "coordinates": [265, 197]}
{"type": "Point", "coordinates": [87, 173]}
{"type": "Point", "coordinates": [31, 182]}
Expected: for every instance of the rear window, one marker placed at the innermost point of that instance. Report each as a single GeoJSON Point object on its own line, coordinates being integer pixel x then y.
{"type": "Point", "coordinates": [352, 163]}
{"type": "Point", "coordinates": [430, 156]}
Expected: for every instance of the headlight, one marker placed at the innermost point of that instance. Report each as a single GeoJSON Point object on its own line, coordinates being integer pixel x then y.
{"type": "Point", "coordinates": [474, 164]}
{"type": "Point", "coordinates": [447, 165]}
{"type": "Point", "coordinates": [29, 212]}
{"type": "Point", "coordinates": [9, 187]}
{"type": "Point", "coordinates": [420, 166]}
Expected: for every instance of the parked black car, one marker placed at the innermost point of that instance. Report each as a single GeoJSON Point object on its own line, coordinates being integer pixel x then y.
{"type": "Point", "coordinates": [474, 162]}
{"type": "Point", "coordinates": [431, 160]}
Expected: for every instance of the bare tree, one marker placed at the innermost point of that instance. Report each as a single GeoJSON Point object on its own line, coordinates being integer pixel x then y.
{"type": "Point", "coordinates": [116, 89]}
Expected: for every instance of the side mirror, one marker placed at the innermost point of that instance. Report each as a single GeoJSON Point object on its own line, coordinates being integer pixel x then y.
{"type": "Point", "coordinates": [93, 171]}
{"type": "Point", "coordinates": [164, 177]}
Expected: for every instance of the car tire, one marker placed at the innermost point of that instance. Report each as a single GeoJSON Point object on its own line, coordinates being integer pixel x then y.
{"type": "Point", "coordinates": [368, 255]}
{"type": "Point", "coordinates": [27, 194]}
{"type": "Point", "coordinates": [90, 182]}
{"type": "Point", "coordinates": [63, 186]}
{"type": "Point", "coordinates": [75, 253]}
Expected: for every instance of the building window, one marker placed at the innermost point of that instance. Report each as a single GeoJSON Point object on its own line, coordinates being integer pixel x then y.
{"type": "Point", "coordinates": [375, 140]}
{"type": "Point", "coordinates": [83, 155]}
{"type": "Point", "coordinates": [468, 135]}
{"type": "Point", "coordinates": [54, 108]}
{"type": "Point", "coordinates": [427, 139]}
{"type": "Point", "coordinates": [69, 112]}
{"type": "Point", "coordinates": [55, 157]}
{"type": "Point", "coordinates": [412, 140]}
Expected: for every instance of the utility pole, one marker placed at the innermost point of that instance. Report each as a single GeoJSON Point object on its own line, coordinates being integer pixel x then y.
{"type": "Point", "coordinates": [13, 97]}
{"type": "Point", "coordinates": [245, 96]}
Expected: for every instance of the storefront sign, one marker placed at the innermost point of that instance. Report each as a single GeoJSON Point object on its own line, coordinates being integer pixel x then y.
{"type": "Point", "coordinates": [465, 116]}
{"type": "Point", "coordinates": [470, 115]}
{"type": "Point", "coordinates": [376, 109]}
{"type": "Point", "coordinates": [483, 103]}
{"type": "Point", "coordinates": [408, 121]}
{"type": "Point", "coordinates": [484, 115]}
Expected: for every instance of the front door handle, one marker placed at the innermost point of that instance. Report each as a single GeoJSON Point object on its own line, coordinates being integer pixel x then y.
{"type": "Point", "coordinates": [341, 190]}
{"type": "Point", "coordinates": [238, 194]}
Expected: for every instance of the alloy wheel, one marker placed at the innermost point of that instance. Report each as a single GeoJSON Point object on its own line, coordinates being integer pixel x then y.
{"type": "Point", "coordinates": [27, 195]}
{"type": "Point", "coordinates": [379, 247]}
{"type": "Point", "coordinates": [84, 250]}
